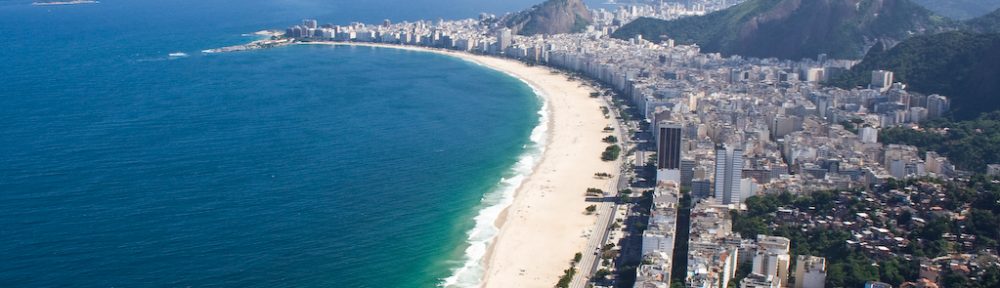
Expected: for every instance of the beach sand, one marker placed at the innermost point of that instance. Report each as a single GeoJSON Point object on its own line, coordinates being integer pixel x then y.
{"type": "Point", "coordinates": [546, 224]}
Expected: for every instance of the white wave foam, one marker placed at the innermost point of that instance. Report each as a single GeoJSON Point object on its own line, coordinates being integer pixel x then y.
{"type": "Point", "coordinates": [493, 203]}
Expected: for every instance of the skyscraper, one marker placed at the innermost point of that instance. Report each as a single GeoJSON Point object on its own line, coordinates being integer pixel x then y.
{"type": "Point", "coordinates": [668, 143]}
{"type": "Point", "coordinates": [881, 80]}
{"type": "Point", "coordinates": [668, 152]}
{"type": "Point", "coordinates": [310, 23]}
{"type": "Point", "coordinates": [504, 37]}
{"type": "Point", "coordinates": [728, 171]}
{"type": "Point", "coordinates": [937, 106]}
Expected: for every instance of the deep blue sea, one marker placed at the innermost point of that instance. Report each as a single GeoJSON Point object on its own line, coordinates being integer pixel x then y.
{"type": "Point", "coordinates": [292, 167]}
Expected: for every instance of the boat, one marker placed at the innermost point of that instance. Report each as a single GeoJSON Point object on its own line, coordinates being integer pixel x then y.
{"type": "Point", "coordinates": [178, 54]}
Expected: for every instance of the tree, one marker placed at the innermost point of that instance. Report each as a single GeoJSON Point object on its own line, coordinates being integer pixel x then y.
{"type": "Point", "coordinates": [611, 153]}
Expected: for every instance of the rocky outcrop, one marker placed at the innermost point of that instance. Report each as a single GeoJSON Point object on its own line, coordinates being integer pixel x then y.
{"type": "Point", "coordinates": [551, 17]}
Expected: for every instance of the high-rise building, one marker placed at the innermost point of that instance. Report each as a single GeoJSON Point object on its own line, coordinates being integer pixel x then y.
{"type": "Point", "coordinates": [504, 38]}
{"type": "Point", "coordinates": [668, 143]}
{"type": "Point", "coordinates": [728, 171]}
{"type": "Point", "coordinates": [810, 272]}
{"type": "Point", "coordinates": [310, 23]}
{"type": "Point", "coordinates": [881, 80]}
{"type": "Point", "coordinates": [937, 106]}
{"type": "Point", "coordinates": [668, 152]}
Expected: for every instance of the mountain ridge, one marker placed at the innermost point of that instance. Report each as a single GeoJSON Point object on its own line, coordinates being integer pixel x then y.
{"type": "Point", "coordinates": [795, 29]}
{"type": "Point", "coordinates": [989, 23]}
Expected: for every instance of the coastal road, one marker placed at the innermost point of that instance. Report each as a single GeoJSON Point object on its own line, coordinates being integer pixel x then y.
{"type": "Point", "coordinates": [606, 210]}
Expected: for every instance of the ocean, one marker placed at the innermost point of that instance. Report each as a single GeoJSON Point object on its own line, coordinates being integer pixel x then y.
{"type": "Point", "coordinates": [302, 166]}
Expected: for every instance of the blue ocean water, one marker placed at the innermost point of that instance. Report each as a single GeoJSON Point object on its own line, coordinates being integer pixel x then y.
{"type": "Point", "coordinates": [304, 166]}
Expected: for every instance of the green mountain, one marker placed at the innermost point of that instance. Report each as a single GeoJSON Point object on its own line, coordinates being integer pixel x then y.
{"type": "Point", "coordinates": [961, 65]}
{"type": "Point", "coordinates": [551, 17]}
{"type": "Point", "coordinates": [989, 23]}
{"type": "Point", "coordinates": [960, 9]}
{"type": "Point", "coordinates": [795, 29]}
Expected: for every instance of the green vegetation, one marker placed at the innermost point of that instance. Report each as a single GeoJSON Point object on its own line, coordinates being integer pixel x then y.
{"type": "Point", "coordinates": [566, 278]}
{"type": "Point", "coordinates": [593, 192]}
{"type": "Point", "coordinates": [610, 139]}
{"type": "Point", "coordinates": [602, 273]}
{"type": "Point", "coordinates": [970, 145]}
{"type": "Point", "coordinates": [611, 153]}
{"type": "Point", "coordinates": [590, 209]}
{"type": "Point", "coordinates": [991, 279]}
{"type": "Point", "coordinates": [793, 29]}
{"type": "Point", "coordinates": [851, 125]}
{"type": "Point", "coordinates": [849, 268]}
{"type": "Point", "coordinates": [960, 65]}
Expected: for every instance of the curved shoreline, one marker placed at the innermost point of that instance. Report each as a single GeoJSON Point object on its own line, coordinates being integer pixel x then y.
{"type": "Point", "coordinates": [543, 224]}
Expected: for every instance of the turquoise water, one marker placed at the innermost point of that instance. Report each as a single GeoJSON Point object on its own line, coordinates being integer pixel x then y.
{"type": "Point", "coordinates": [304, 166]}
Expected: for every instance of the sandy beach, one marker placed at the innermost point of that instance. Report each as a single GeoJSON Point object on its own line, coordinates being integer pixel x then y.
{"type": "Point", "coordinates": [546, 224]}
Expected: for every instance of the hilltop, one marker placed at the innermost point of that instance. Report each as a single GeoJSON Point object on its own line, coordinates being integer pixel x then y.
{"type": "Point", "coordinates": [795, 29]}
{"type": "Point", "coordinates": [551, 17]}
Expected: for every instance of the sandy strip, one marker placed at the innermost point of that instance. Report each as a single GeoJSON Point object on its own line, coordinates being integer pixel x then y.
{"type": "Point", "coordinates": [546, 225]}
